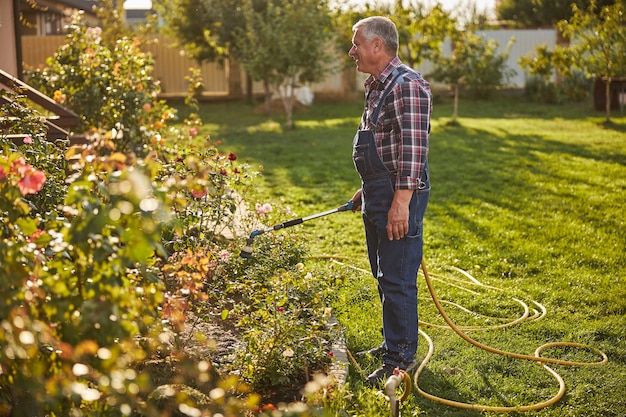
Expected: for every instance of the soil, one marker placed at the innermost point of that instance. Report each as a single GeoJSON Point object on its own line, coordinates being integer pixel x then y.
{"type": "Point", "coordinates": [212, 341]}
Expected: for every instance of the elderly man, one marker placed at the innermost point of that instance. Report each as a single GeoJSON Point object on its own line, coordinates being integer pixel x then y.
{"type": "Point", "coordinates": [390, 153]}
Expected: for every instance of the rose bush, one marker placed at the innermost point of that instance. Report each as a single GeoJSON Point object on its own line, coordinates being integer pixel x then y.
{"type": "Point", "coordinates": [111, 249]}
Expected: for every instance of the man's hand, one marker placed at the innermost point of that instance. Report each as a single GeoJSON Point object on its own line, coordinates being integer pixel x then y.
{"type": "Point", "coordinates": [398, 216]}
{"type": "Point", "coordinates": [356, 200]}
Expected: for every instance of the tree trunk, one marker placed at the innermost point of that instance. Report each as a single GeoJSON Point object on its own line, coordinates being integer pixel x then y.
{"type": "Point", "coordinates": [607, 100]}
{"type": "Point", "coordinates": [234, 79]}
{"type": "Point", "coordinates": [288, 100]}
{"type": "Point", "coordinates": [289, 111]}
{"type": "Point", "coordinates": [268, 98]}
{"type": "Point", "coordinates": [249, 88]}
{"type": "Point", "coordinates": [456, 103]}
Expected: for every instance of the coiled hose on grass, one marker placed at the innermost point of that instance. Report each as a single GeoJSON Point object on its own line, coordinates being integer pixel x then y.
{"type": "Point", "coordinates": [536, 358]}
{"type": "Point", "coordinates": [461, 331]}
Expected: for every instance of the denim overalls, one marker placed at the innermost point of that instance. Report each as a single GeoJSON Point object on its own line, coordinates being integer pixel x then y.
{"type": "Point", "coordinates": [395, 263]}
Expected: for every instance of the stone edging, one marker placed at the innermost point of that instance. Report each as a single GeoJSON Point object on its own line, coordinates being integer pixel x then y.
{"type": "Point", "coordinates": [339, 365]}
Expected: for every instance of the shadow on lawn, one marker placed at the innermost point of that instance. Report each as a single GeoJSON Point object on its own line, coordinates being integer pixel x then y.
{"type": "Point", "coordinates": [445, 390]}
{"type": "Point", "coordinates": [448, 391]}
{"type": "Point", "coordinates": [476, 165]}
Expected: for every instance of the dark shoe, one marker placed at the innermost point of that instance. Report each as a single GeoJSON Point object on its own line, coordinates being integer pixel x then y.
{"type": "Point", "coordinates": [381, 374]}
{"type": "Point", "coordinates": [377, 352]}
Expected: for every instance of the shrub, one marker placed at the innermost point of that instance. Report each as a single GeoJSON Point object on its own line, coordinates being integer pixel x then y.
{"type": "Point", "coordinates": [537, 89]}
{"type": "Point", "coordinates": [576, 87]}
{"type": "Point", "coordinates": [79, 291]}
{"type": "Point", "coordinates": [109, 248]}
{"type": "Point", "coordinates": [112, 89]}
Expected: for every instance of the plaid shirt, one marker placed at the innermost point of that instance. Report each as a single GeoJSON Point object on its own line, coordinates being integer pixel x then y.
{"type": "Point", "coordinates": [403, 128]}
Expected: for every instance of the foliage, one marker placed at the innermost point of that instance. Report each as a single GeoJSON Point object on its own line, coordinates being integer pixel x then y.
{"type": "Point", "coordinates": [598, 43]}
{"type": "Point", "coordinates": [111, 17]}
{"type": "Point", "coordinates": [486, 67]}
{"type": "Point", "coordinates": [537, 89]}
{"type": "Point", "coordinates": [78, 289]}
{"type": "Point", "coordinates": [422, 31]}
{"type": "Point", "coordinates": [207, 30]}
{"type": "Point", "coordinates": [474, 62]}
{"type": "Point", "coordinates": [111, 88]}
{"type": "Point", "coordinates": [37, 151]}
{"type": "Point", "coordinates": [539, 86]}
{"type": "Point", "coordinates": [200, 26]}
{"type": "Point", "coordinates": [541, 65]}
{"type": "Point", "coordinates": [285, 46]}
{"type": "Point", "coordinates": [576, 87]}
{"type": "Point", "coordinates": [538, 13]}
{"type": "Point", "coordinates": [90, 299]}
{"type": "Point", "coordinates": [282, 44]}
{"type": "Point", "coordinates": [286, 339]}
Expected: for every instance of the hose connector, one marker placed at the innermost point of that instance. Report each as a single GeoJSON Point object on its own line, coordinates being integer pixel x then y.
{"type": "Point", "coordinates": [391, 386]}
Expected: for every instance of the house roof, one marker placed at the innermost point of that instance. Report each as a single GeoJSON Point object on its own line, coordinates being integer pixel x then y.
{"type": "Point", "coordinates": [80, 4]}
{"type": "Point", "coordinates": [140, 7]}
{"type": "Point", "coordinates": [88, 4]}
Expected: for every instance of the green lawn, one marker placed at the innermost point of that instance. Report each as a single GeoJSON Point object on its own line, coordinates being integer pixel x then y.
{"type": "Point", "coordinates": [527, 198]}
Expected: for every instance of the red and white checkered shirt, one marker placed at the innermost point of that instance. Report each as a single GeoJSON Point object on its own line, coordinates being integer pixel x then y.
{"type": "Point", "coordinates": [403, 128]}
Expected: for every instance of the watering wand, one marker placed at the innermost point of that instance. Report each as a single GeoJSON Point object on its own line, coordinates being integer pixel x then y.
{"type": "Point", "coordinates": [246, 251]}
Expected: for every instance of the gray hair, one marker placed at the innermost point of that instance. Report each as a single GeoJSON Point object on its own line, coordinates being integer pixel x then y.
{"type": "Point", "coordinates": [379, 27]}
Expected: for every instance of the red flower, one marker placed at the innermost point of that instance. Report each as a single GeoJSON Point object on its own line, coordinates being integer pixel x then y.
{"type": "Point", "coordinates": [232, 157]}
{"type": "Point", "coordinates": [3, 173]}
{"type": "Point", "coordinates": [199, 194]}
{"type": "Point", "coordinates": [36, 235]}
{"type": "Point", "coordinates": [19, 166]}
{"type": "Point", "coordinates": [32, 181]}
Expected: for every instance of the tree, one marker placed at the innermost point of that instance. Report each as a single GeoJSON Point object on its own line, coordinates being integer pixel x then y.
{"type": "Point", "coordinates": [598, 44]}
{"type": "Point", "coordinates": [286, 44]}
{"type": "Point", "coordinates": [542, 13]}
{"type": "Point", "coordinates": [476, 62]}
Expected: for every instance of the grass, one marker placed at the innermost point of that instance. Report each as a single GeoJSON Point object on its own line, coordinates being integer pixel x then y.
{"type": "Point", "coordinates": [528, 198]}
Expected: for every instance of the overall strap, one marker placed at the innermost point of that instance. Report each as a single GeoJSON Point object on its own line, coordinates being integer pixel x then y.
{"type": "Point", "coordinates": [397, 72]}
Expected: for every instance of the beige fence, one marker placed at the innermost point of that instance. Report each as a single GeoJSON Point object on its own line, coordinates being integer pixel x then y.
{"type": "Point", "coordinates": [171, 66]}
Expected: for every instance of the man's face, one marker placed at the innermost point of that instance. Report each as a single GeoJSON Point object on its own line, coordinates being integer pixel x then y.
{"type": "Point", "coordinates": [363, 52]}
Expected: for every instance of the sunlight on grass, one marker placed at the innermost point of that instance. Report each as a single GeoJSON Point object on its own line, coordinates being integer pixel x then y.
{"type": "Point", "coordinates": [269, 126]}
{"type": "Point", "coordinates": [528, 198]}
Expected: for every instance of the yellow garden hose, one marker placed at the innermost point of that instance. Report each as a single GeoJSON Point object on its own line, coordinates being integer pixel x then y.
{"type": "Point", "coordinates": [461, 331]}
{"type": "Point", "coordinates": [536, 358]}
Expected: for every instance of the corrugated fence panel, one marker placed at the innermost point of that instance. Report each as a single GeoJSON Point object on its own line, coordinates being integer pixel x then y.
{"type": "Point", "coordinates": [172, 65]}
{"type": "Point", "coordinates": [36, 49]}
{"type": "Point", "coordinates": [525, 43]}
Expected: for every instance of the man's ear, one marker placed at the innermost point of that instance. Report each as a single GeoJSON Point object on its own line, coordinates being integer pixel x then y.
{"type": "Point", "coordinates": [378, 44]}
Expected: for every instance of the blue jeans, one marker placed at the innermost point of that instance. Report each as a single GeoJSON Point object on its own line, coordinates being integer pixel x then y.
{"type": "Point", "coordinates": [394, 263]}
